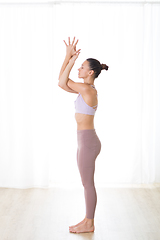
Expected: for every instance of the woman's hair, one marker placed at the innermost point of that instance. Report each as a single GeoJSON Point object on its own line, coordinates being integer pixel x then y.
{"type": "Point", "coordinates": [96, 66]}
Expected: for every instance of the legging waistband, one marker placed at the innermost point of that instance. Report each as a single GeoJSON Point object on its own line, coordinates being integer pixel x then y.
{"type": "Point", "coordinates": [86, 134]}
{"type": "Point", "coordinates": [86, 130]}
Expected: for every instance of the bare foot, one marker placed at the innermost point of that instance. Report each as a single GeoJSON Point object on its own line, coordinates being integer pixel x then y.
{"type": "Point", "coordinates": [77, 224]}
{"type": "Point", "coordinates": [85, 227]}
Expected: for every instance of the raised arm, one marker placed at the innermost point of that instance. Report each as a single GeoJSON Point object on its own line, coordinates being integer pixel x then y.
{"type": "Point", "coordinates": [64, 73]}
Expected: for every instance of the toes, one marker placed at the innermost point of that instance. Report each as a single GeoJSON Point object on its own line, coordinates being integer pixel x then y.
{"type": "Point", "coordinates": [72, 231]}
{"type": "Point", "coordinates": [71, 227]}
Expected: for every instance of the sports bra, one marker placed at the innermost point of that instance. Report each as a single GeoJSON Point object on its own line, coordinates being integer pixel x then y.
{"type": "Point", "coordinates": [82, 107]}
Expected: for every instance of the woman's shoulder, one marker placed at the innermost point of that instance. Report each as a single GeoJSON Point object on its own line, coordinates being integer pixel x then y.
{"type": "Point", "coordinates": [90, 88]}
{"type": "Point", "coordinates": [90, 92]}
{"type": "Point", "coordinates": [93, 90]}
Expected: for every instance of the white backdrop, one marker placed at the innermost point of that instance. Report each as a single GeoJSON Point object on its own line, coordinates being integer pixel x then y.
{"type": "Point", "coordinates": [37, 127]}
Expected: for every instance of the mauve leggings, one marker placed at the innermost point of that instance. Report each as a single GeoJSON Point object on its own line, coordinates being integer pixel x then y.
{"type": "Point", "coordinates": [89, 146]}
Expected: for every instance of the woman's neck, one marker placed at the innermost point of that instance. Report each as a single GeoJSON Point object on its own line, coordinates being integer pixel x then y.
{"type": "Point", "coordinates": [89, 81]}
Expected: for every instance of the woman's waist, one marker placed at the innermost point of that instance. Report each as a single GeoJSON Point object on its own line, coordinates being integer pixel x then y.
{"type": "Point", "coordinates": [84, 118]}
{"type": "Point", "coordinates": [84, 121]}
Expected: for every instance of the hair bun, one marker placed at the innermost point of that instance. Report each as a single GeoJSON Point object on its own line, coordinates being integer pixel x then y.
{"type": "Point", "coordinates": [104, 66]}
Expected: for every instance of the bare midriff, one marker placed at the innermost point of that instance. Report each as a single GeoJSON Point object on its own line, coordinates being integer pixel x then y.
{"type": "Point", "coordinates": [84, 121]}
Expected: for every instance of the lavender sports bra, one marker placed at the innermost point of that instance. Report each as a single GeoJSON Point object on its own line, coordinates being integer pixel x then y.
{"type": "Point", "coordinates": [82, 107]}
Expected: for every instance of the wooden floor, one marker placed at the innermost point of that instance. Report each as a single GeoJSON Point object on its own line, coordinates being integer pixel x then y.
{"type": "Point", "coordinates": [45, 214]}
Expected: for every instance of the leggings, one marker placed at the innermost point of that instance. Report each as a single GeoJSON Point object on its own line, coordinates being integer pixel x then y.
{"type": "Point", "coordinates": [89, 146]}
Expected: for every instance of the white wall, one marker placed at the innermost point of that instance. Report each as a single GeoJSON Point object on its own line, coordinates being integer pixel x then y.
{"type": "Point", "coordinates": [37, 125]}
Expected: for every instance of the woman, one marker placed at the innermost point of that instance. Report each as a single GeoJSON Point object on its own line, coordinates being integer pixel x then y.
{"type": "Point", "coordinates": [89, 145]}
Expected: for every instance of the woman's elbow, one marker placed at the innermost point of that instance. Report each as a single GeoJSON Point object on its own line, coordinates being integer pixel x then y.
{"type": "Point", "coordinates": [60, 81]}
{"type": "Point", "coordinates": [61, 85]}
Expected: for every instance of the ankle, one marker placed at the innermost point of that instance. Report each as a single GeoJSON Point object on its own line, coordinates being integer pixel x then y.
{"type": "Point", "coordinates": [89, 221]}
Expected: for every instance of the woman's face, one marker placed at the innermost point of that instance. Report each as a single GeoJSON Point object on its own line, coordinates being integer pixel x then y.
{"type": "Point", "coordinates": [84, 70]}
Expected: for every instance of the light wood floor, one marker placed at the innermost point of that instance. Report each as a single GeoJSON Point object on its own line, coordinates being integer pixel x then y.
{"type": "Point", "coordinates": [45, 214]}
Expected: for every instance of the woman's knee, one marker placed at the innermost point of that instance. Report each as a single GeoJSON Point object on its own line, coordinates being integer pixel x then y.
{"type": "Point", "coordinates": [87, 183]}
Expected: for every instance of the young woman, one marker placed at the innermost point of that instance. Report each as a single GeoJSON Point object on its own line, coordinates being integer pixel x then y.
{"type": "Point", "coordinates": [89, 145]}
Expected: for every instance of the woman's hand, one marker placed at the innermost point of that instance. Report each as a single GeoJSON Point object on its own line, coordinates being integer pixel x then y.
{"type": "Point", "coordinates": [70, 52]}
{"type": "Point", "coordinates": [71, 48]}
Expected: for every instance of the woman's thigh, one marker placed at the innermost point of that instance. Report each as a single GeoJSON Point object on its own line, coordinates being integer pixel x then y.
{"type": "Point", "coordinates": [86, 164]}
